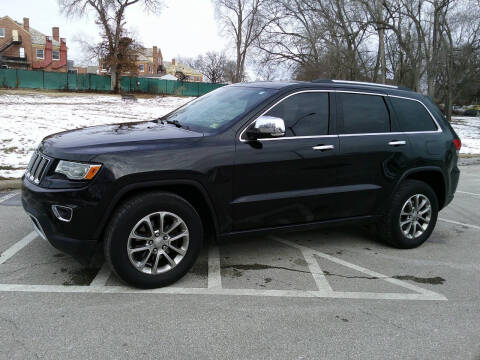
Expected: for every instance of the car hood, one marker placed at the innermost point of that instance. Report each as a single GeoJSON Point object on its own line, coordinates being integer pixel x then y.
{"type": "Point", "coordinates": [85, 143]}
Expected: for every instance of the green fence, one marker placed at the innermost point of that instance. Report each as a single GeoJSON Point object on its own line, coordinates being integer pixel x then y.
{"type": "Point", "coordinates": [31, 79]}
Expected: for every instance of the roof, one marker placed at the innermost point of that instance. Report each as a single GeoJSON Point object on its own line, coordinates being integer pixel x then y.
{"type": "Point", "coordinates": [271, 84]}
{"type": "Point", "coordinates": [333, 85]}
{"type": "Point", "coordinates": [168, 77]}
{"type": "Point", "coordinates": [37, 37]}
{"type": "Point", "coordinates": [180, 67]}
{"type": "Point", "coordinates": [145, 53]}
{"type": "Point", "coordinates": [361, 83]}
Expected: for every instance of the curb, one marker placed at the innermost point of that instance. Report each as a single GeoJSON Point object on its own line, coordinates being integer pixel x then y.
{"type": "Point", "coordinates": [10, 184]}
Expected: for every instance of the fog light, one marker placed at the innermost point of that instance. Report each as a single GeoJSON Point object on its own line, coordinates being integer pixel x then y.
{"type": "Point", "coordinates": [63, 213]}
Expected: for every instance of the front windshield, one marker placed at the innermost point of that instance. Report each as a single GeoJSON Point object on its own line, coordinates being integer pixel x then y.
{"type": "Point", "coordinates": [218, 108]}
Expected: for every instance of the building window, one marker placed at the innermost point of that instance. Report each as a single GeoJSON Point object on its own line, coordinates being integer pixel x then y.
{"type": "Point", "coordinates": [149, 68]}
{"type": "Point", "coordinates": [21, 52]}
{"type": "Point", "coordinates": [2, 32]}
{"type": "Point", "coordinates": [141, 67]}
{"type": "Point", "coordinates": [55, 55]}
{"type": "Point", "coordinates": [40, 54]}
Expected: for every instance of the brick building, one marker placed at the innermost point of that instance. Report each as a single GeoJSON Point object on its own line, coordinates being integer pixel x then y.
{"type": "Point", "coordinates": [23, 47]}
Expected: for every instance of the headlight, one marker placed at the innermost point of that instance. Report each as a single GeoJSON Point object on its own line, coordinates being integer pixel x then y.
{"type": "Point", "coordinates": [77, 171]}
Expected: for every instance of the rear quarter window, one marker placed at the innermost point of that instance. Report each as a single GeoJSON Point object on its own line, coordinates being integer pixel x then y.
{"type": "Point", "coordinates": [412, 115]}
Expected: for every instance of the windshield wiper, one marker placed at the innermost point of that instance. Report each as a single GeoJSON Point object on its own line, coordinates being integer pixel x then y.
{"type": "Point", "coordinates": [176, 123]}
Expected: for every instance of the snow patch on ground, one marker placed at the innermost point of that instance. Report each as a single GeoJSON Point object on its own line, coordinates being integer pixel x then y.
{"type": "Point", "coordinates": [25, 119]}
{"type": "Point", "coordinates": [468, 129]}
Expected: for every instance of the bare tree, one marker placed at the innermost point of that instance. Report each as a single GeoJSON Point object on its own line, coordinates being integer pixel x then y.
{"type": "Point", "coordinates": [430, 46]}
{"type": "Point", "coordinates": [110, 16]}
{"type": "Point", "coordinates": [245, 21]}
{"type": "Point", "coordinates": [319, 38]}
{"type": "Point", "coordinates": [212, 66]}
{"type": "Point", "coordinates": [229, 71]}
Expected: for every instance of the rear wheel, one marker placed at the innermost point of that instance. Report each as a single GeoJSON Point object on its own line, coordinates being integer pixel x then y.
{"type": "Point", "coordinates": [153, 239]}
{"type": "Point", "coordinates": [412, 216]}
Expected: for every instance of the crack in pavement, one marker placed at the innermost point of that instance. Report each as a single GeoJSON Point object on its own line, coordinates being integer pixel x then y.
{"type": "Point", "coordinates": [261, 267]}
{"type": "Point", "coordinates": [327, 273]}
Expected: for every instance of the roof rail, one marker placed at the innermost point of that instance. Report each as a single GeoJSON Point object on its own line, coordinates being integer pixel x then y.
{"type": "Point", "coordinates": [358, 83]}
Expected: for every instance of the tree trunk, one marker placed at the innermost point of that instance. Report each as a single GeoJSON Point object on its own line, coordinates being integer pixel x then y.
{"type": "Point", "coordinates": [381, 42]}
{"type": "Point", "coordinates": [115, 79]}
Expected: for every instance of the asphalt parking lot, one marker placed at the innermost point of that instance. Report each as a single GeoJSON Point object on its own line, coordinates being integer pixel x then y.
{"type": "Point", "coordinates": [332, 293]}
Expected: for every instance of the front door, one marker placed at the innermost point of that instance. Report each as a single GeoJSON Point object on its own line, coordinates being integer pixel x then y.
{"type": "Point", "coordinates": [291, 179]}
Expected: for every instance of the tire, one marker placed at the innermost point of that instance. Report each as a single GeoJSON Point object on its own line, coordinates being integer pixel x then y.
{"type": "Point", "coordinates": [130, 230]}
{"type": "Point", "coordinates": [389, 227]}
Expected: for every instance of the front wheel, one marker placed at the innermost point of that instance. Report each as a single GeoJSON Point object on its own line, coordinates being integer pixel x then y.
{"type": "Point", "coordinates": [412, 216]}
{"type": "Point", "coordinates": [153, 239]}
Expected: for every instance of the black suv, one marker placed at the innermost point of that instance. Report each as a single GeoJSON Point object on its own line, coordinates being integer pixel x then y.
{"type": "Point", "coordinates": [244, 158]}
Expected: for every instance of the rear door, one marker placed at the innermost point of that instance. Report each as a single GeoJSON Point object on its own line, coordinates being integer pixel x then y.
{"type": "Point", "coordinates": [288, 180]}
{"type": "Point", "coordinates": [373, 153]}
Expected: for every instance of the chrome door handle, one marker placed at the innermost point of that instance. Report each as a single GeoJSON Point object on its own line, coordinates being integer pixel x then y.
{"type": "Point", "coordinates": [323, 147]}
{"type": "Point", "coordinates": [397, 143]}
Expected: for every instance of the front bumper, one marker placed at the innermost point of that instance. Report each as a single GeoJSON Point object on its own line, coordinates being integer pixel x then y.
{"type": "Point", "coordinates": [76, 237]}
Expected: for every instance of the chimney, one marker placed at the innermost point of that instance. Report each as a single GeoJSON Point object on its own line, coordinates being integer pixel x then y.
{"type": "Point", "coordinates": [173, 62]}
{"type": "Point", "coordinates": [155, 60]}
{"type": "Point", "coordinates": [56, 33]}
{"type": "Point", "coordinates": [26, 24]}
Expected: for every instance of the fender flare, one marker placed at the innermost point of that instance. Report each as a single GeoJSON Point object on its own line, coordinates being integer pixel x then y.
{"type": "Point", "coordinates": [419, 170]}
{"type": "Point", "coordinates": [152, 184]}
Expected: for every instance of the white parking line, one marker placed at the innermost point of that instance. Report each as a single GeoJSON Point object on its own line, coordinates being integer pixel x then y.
{"type": "Point", "coordinates": [102, 276]}
{"type": "Point", "coordinates": [313, 266]}
{"type": "Point", "coordinates": [214, 274]}
{"type": "Point", "coordinates": [12, 250]}
{"type": "Point", "coordinates": [460, 223]}
{"type": "Point", "coordinates": [359, 295]}
{"type": "Point", "coordinates": [216, 291]}
{"type": "Point", "coordinates": [8, 196]}
{"type": "Point", "coordinates": [98, 285]}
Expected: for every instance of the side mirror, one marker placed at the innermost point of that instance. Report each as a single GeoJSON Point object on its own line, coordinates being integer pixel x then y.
{"type": "Point", "coordinates": [266, 127]}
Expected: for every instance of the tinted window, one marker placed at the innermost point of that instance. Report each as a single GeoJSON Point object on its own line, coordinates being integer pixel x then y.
{"type": "Point", "coordinates": [305, 114]}
{"type": "Point", "coordinates": [364, 114]}
{"type": "Point", "coordinates": [219, 108]}
{"type": "Point", "coordinates": [412, 115]}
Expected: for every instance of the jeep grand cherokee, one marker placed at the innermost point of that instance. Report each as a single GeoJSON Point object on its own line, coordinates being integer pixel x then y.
{"type": "Point", "coordinates": [244, 159]}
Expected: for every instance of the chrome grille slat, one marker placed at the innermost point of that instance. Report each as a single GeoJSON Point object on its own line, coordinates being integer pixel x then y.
{"type": "Point", "coordinates": [32, 161]}
{"type": "Point", "coordinates": [34, 168]}
{"type": "Point", "coordinates": [37, 167]}
{"type": "Point", "coordinates": [39, 170]}
{"type": "Point", "coordinates": [35, 164]}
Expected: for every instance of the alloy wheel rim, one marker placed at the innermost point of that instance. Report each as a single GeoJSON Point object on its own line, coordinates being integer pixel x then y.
{"type": "Point", "coordinates": [415, 216]}
{"type": "Point", "coordinates": [158, 242]}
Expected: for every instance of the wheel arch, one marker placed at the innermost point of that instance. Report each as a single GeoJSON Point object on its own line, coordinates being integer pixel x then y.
{"type": "Point", "coordinates": [432, 176]}
{"type": "Point", "coordinates": [190, 190]}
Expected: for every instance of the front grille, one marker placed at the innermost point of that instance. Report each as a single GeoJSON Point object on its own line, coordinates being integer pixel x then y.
{"type": "Point", "coordinates": [37, 167]}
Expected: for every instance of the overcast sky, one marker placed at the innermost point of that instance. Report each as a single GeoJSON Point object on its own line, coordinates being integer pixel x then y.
{"type": "Point", "coordinates": [185, 27]}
